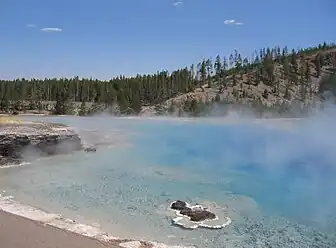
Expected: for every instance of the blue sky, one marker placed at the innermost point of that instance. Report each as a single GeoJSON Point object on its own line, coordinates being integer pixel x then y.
{"type": "Point", "coordinates": [105, 38]}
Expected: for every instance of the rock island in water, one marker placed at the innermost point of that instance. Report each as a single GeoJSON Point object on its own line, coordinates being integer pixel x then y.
{"type": "Point", "coordinates": [191, 217]}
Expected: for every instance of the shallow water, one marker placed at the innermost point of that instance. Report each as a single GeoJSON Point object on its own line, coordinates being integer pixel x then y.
{"type": "Point", "coordinates": [275, 184]}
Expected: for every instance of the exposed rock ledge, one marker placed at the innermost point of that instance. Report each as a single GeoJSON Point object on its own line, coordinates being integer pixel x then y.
{"type": "Point", "coordinates": [30, 140]}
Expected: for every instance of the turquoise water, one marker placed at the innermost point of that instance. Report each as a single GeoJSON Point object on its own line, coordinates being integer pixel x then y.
{"type": "Point", "coordinates": [276, 185]}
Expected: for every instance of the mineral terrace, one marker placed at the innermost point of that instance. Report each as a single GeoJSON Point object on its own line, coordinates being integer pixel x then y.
{"type": "Point", "coordinates": [21, 141]}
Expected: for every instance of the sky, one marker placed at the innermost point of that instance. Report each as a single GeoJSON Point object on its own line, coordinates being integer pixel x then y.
{"type": "Point", "coordinates": [106, 38]}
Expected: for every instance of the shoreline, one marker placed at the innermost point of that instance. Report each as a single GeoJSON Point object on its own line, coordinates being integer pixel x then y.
{"type": "Point", "coordinates": [28, 219]}
{"type": "Point", "coordinates": [155, 116]}
{"type": "Point", "coordinates": [35, 234]}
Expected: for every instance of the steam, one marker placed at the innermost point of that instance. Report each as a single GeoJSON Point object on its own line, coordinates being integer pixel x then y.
{"type": "Point", "coordinates": [299, 154]}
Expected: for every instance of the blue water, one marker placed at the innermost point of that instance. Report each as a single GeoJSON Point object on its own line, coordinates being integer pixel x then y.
{"type": "Point", "coordinates": [277, 185]}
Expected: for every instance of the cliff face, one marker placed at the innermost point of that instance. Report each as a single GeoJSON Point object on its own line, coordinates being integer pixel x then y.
{"type": "Point", "coordinates": [29, 140]}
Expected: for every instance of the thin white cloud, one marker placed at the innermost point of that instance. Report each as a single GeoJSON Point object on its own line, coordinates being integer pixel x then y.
{"type": "Point", "coordinates": [177, 3]}
{"type": "Point", "coordinates": [49, 30]}
{"type": "Point", "coordinates": [31, 25]}
{"type": "Point", "coordinates": [229, 22]}
{"type": "Point", "coordinates": [232, 22]}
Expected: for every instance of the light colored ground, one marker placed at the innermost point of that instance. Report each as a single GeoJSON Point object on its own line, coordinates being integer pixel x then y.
{"type": "Point", "coordinates": [18, 232]}
{"type": "Point", "coordinates": [5, 119]}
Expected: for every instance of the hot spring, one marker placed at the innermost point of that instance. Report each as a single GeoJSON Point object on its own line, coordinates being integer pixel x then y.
{"type": "Point", "coordinates": [276, 184]}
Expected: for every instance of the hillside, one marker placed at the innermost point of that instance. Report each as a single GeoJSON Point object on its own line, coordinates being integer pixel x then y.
{"type": "Point", "coordinates": [273, 82]}
{"type": "Point", "coordinates": [288, 89]}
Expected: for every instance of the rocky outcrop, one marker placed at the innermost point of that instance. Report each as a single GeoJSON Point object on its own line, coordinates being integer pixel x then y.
{"type": "Point", "coordinates": [192, 217]}
{"type": "Point", "coordinates": [28, 140]}
{"type": "Point", "coordinates": [195, 213]}
{"type": "Point", "coordinates": [90, 149]}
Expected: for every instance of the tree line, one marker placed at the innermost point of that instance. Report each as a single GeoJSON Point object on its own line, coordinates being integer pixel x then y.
{"type": "Point", "coordinates": [131, 94]}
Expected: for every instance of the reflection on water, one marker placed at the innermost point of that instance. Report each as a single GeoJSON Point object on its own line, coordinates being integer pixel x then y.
{"type": "Point", "coordinates": [262, 177]}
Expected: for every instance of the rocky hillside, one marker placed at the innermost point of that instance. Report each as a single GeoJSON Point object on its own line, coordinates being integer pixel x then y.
{"type": "Point", "coordinates": [291, 85]}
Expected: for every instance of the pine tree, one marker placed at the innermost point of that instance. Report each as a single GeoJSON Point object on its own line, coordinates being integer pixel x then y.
{"type": "Point", "coordinates": [208, 65]}
{"type": "Point", "coordinates": [136, 102]}
{"type": "Point", "coordinates": [218, 68]}
{"type": "Point", "coordinates": [203, 71]}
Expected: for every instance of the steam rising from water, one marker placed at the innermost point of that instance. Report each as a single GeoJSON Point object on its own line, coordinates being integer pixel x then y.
{"type": "Point", "coordinates": [270, 175]}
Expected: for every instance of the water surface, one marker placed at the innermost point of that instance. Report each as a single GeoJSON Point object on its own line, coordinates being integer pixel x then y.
{"type": "Point", "coordinates": [276, 185]}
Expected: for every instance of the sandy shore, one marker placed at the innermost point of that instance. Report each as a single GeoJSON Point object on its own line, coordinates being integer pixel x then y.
{"type": "Point", "coordinates": [19, 232]}
{"type": "Point", "coordinates": [22, 226]}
